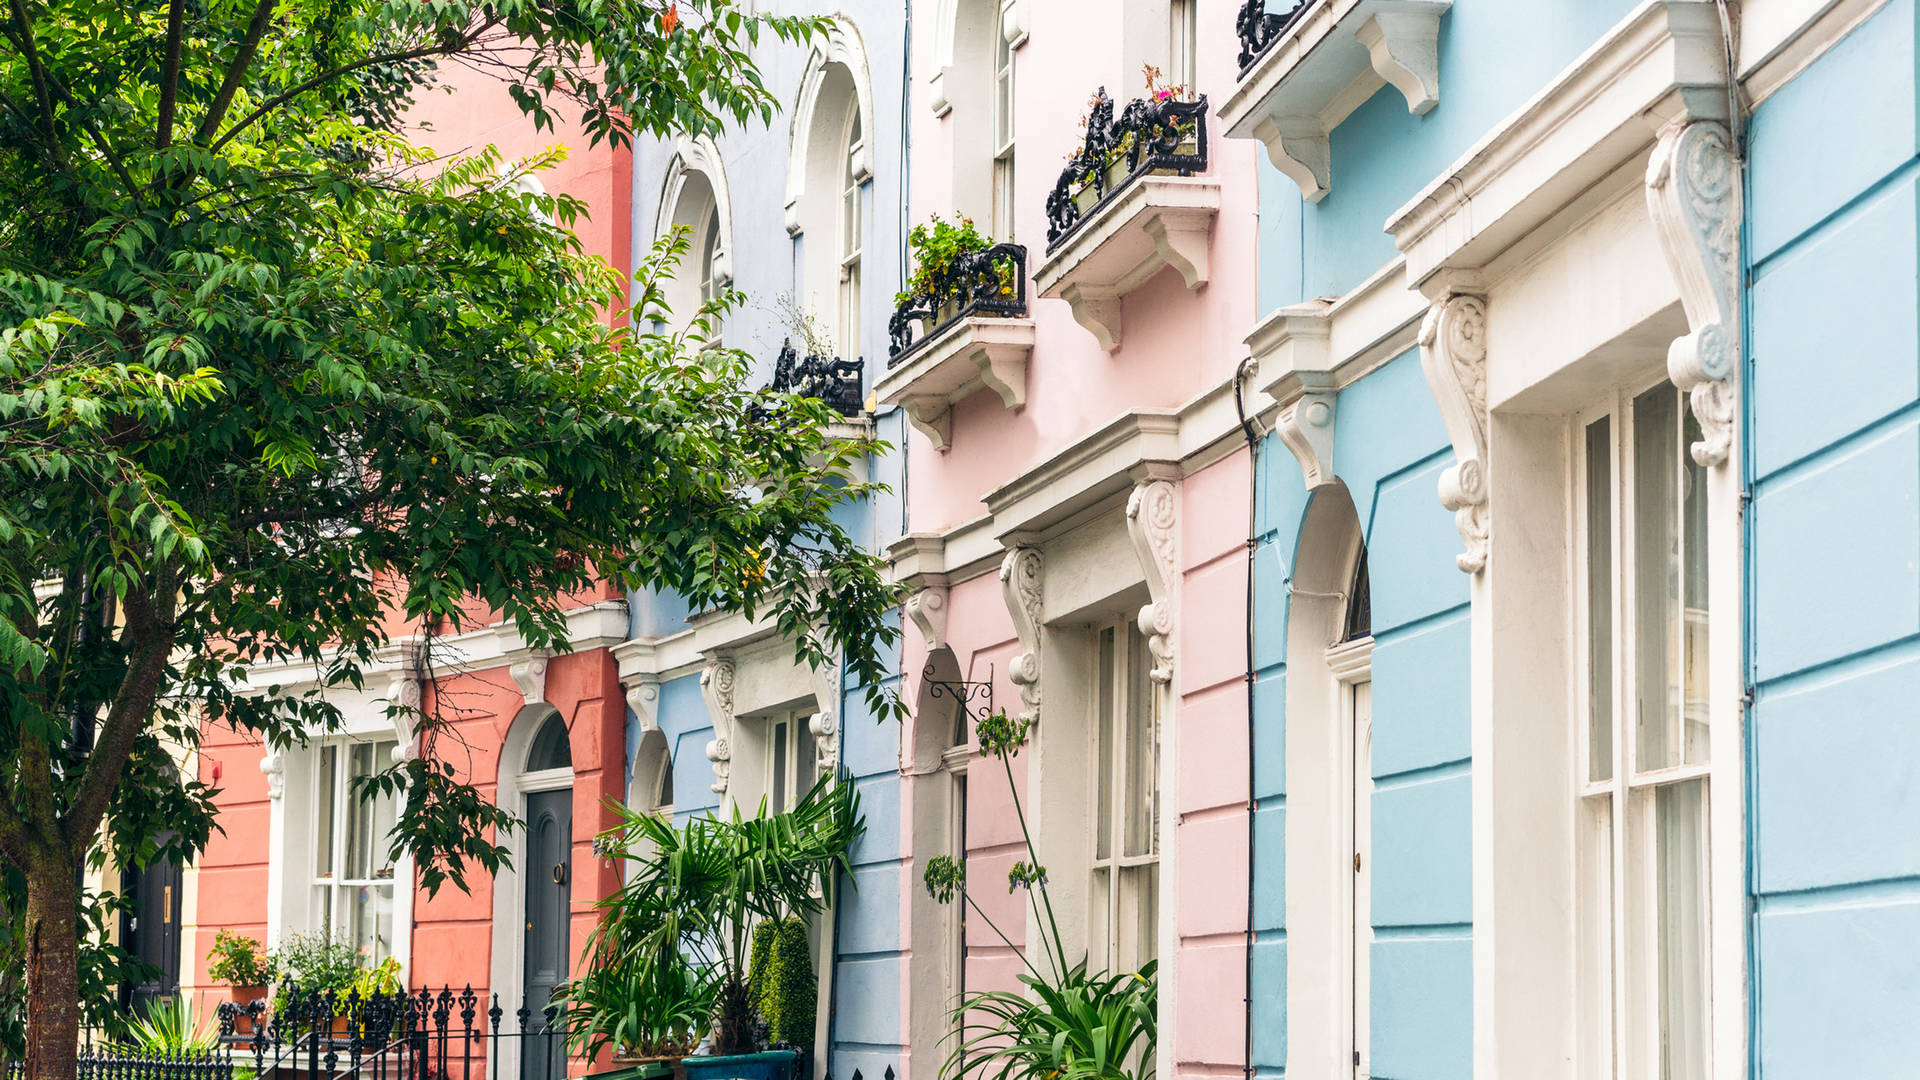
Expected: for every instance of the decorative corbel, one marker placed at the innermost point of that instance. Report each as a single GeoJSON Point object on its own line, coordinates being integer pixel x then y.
{"type": "Point", "coordinates": [1693, 195]}
{"type": "Point", "coordinates": [530, 674]}
{"type": "Point", "coordinates": [1404, 48]}
{"type": "Point", "coordinates": [1305, 426]}
{"type": "Point", "coordinates": [1020, 582]}
{"type": "Point", "coordinates": [1097, 309]}
{"type": "Point", "coordinates": [928, 610]}
{"type": "Point", "coordinates": [643, 697]}
{"type": "Point", "coordinates": [825, 723]}
{"type": "Point", "coordinates": [1152, 520]}
{"type": "Point", "coordinates": [716, 684]}
{"type": "Point", "coordinates": [274, 767]}
{"type": "Point", "coordinates": [1453, 353]}
{"type": "Point", "coordinates": [1301, 148]}
{"type": "Point", "coordinates": [403, 690]}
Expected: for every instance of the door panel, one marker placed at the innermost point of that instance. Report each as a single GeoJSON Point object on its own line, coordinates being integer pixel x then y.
{"type": "Point", "coordinates": [548, 870]}
{"type": "Point", "coordinates": [151, 931]}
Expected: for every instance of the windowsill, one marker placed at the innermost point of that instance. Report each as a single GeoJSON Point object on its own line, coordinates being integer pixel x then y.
{"type": "Point", "coordinates": [968, 356]}
{"type": "Point", "coordinates": [1152, 223]}
{"type": "Point", "coordinates": [1324, 66]}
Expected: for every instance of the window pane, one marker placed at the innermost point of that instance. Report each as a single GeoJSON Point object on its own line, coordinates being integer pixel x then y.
{"type": "Point", "coordinates": [1656, 577]}
{"type": "Point", "coordinates": [806, 756]}
{"type": "Point", "coordinates": [1595, 922]}
{"type": "Point", "coordinates": [1600, 599]}
{"type": "Point", "coordinates": [1693, 545]}
{"type": "Point", "coordinates": [1002, 92]}
{"type": "Point", "coordinates": [370, 921]}
{"type": "Point", "coordinates": [1141, 904]}
{"type": "Point", "coordinates": [1100, 933]}
{"type": "Point", "coordinates": [1103, 763]}
{"type": "Point", "coordinates": [777, 789]}
{"type": "Point", "coordinates": [324, 810]}
{"type": "Point", "coordinates": [1139, 796]}
{"type": "Point", "coordinates": [369, 821]}
{"type": "Point", "coordinates": [1680, 837]}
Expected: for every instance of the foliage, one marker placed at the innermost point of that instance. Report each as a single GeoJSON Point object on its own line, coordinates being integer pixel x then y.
{"type": "Point", "coordinates": [697, 891]}
{"type": "Point", "coordinates": [1086, 162]}
{"type": "Point", "coordinates": [645, 1010]}
{"type": "Point", "coordinates": [278, 386]}
{"type": "Point", "coordinates": [172, 1025]}
{"type": "Point", "coordinates": [238, 960]}
{"type": "Point", "coordinates": [317, 964]}
{"type": "Point", "coordinates": [935, 246]}
{"type": "Point", "coordinates": [1069, 1024]}
{"type": "Point", "coordinates": [760, 967]}
{"type": "Point", "coordinates": [792, 994]}
{"type": "Point", "coordinates": [382, 979]}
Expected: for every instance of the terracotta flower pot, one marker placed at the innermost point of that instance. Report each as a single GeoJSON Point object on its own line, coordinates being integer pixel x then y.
{"type": "Point", "coordinates": [244, 996]}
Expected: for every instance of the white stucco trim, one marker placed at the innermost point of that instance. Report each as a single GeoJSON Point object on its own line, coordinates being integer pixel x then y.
{"type": "Point", "coordinates": [843, 46]}
{"type": "Point", "coordinates": [1778, 39]}
{"type": "Point", "coordinates": [506, 964]}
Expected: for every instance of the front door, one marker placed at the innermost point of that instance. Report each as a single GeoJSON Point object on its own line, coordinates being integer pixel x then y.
{"type": "Point", "coordinates": [548, 865]}
{"type": "Point", "coordinates": [151, 932]}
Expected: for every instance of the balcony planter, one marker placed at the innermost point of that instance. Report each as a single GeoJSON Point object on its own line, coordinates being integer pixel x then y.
{"type": "Point", "coordinates": [765, 1065]}
{"type": "Point", "coordinates": [1165, 137]}
{"type": "Point", "coordinates": [972, 335]}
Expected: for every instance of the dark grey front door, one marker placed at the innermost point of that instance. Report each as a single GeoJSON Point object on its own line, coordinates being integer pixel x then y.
{"type": "Point", "coordinates": [548, 866]}
{"type": "Point", "coordinates": [151, 932]}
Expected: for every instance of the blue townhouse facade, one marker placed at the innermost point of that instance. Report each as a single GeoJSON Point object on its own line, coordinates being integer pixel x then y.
{"type": "Point", "coordinates": [1588, 571]}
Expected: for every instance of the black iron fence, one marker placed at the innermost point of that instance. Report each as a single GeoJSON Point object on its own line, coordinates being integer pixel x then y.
{"type": "Point", "coordinates": [423, 1035]}
{"type": "Point", "coordinates": [1149, 136]}
{"type": "Point", "coordinates": [833, 381]}
{"type": "Point", "coordinates": [991, 281]}
{"type": "Point", "coordinates": [122, 1063]}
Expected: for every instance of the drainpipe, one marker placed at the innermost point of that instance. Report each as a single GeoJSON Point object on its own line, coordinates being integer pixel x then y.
{"type": "Point", "coordinates": [1248, 428]}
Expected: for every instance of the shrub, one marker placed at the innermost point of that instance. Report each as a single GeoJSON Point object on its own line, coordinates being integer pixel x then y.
{"type": "Point", "coordinates": [238, 960]}
{"type": "Point", "coordinates": [792, 989]}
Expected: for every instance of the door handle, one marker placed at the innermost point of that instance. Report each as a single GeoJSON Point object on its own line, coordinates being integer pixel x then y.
{"type": "Point", "coordinates": [559, 873]}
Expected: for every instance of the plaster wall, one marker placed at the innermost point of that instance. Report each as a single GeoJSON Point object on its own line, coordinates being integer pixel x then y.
{"type": "Point", "coordinates": [1834, 432]}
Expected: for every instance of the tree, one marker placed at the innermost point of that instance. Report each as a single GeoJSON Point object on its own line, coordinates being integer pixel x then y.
{"type": "Point", "coordinates": [270, 376]}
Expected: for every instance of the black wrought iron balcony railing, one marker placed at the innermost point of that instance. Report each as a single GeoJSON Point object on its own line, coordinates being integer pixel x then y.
{"type": "Point", "coordinates": [1259, 28]}
{"type": "Point", "coordinates": [991, 282]}
{"type": "Point", "coordinates": [835, 382]}
{"type": "Point", "coordinates": [1162, 135]}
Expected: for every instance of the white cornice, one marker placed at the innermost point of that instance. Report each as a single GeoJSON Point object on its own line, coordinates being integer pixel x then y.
{"type": "Point", "coordinates": [1780, 38]}
{"type": "Point", "coordinates": [1664, 62]}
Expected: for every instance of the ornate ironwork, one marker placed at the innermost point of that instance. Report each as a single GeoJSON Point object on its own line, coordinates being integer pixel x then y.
{"type": "Point", "coordinates": [974, 698]}
{"type": "Point", "coordinates": [991, 281]}
{"type": "Point", "coordinates": [836, 382]}
{"type": "Point", "coordinates": [1259, 28]}
{"type": "Point", "coordinates": [1148, 137]}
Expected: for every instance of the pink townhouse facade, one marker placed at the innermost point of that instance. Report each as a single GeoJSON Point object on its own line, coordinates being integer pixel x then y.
{"type": "Point", "coordinates": [1077, 508]}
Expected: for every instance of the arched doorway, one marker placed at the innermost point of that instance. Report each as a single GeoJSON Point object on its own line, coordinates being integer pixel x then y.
{"type": "Point", "coordinates": [533, 898]}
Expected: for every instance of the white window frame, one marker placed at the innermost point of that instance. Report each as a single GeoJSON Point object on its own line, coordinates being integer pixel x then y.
{"type": "Point", "coordinates": [329, 896]}
{"type": "Point", "coordinates": [1182, 42]}
{"type": "Point", "coordinates": [792, 758]}
{"type": "Point", "coordinates": [1619, 949]}
{"type": "Point", "coordinates": [1351, 664]}
{"type": "Point", "coordinates": [1005, 193]}
{"type": "Point", "coordinates": [1108, 940]}
{"type": "Point", "coordinates": [851, 230]}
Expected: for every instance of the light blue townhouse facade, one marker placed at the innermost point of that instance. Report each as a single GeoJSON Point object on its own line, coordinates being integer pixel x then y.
{"type": "Point", "coordinates": [1587, 585]}
{"type": "Point", "coordinates": [802, 216]}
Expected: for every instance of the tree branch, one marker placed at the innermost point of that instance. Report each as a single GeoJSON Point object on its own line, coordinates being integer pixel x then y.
{"type": "Point", "coordinates": [236, 72]}
{"type": "Point", "coordinates": [170, 73]}
{"type": "Point", "coordinates": [150, 623]}
{"type": "Point", "coordinates": [42, 90]}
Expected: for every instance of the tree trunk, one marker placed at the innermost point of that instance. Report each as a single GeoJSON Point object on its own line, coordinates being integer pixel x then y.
{"type": "Point", "coordinates": [53, 974]}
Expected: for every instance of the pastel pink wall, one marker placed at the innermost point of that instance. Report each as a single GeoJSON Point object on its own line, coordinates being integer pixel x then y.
{"type": "Point", "coordinates": [1176, 345]}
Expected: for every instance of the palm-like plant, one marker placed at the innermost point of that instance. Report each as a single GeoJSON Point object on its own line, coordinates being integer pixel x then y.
{"type": "Point", "coordinates": [171, 1025]}
{"type": "Point", "coordinates": [697, 891]}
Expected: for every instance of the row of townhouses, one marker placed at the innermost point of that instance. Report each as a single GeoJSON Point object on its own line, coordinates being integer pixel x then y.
{"type": "Point", "coordinates": [1443, 484]}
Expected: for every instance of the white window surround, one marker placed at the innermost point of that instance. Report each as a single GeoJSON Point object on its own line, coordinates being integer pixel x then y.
{"type": "Point", "coordinates": [813, 134]}
{"type": "Point", "coordinates": [1333, 58]}
{"type": "Point", "coordinates": [938, 751]}
{"type": "Point", "coordinates": [695, 196]}
{"type": "Point", "coordinates": [955, 44]}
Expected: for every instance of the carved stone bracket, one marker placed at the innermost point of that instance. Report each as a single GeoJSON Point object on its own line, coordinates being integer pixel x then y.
{"type": "Point", "coordinates": [1306, 427]}
{"type": "Point", "coordinates": [643, 697]}
{"type": "Point", "coordinates": [928, 610]}
{"type": "Point", "coordinates": [1693, 195]}
{"type": "Point", "coordinates": [1152, 522]}
{"type": "Point", "coordinates": [825, 723]}
{"type": "Point", "coordinates": [716, 685]}
{"type": "Point", "coordinates": [1453, 353]}
{"type": "Point", "coordinates": [1021, 576]}
{"type": "Point", "coordinates": [403, 690]}
{"type": "Point", "coordinates": [274, 767]}
{"type": "Point", "coordinates": [530, 674]}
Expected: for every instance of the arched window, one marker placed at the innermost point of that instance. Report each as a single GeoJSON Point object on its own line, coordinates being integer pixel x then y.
{"type": "Point", "coordinates": [550, 749]}
{"type": "Point", "coordinates": [829, 167]}
{"type": "Point", "coordinates": [1359, 617]}
{"type": "Point", "coordinates": [694, 201]}
{"type": "Point", "coordinates": [848, 326]}
{"type": "Point", "coordinates": [976, 95]}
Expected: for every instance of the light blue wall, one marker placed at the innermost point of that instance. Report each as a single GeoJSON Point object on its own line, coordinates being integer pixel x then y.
{"type": "Point", "coordinates": [1389, 446]}
{"type": "Point", "coordinates": [1834, 433]}
{"type": "Point", "coordinates": [866, 1028]}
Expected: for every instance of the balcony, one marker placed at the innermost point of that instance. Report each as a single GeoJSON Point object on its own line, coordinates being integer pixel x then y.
{"type": "Point", "coordinates": [965, 330]}
{"type": "Point", "coordinates": [1128, 205]}
{"type": "Point", "coordinates": [834, 382]}
{"type": "Point", "coordinates": [1306, 69]}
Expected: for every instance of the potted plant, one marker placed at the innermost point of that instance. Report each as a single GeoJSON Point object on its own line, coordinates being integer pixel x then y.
{"type": "Point", "coordinates": [1068, 1021]}
{"type": "Point", "coordinates": [241, 963]}
{"type": "Point", "coordinates": [319, 973]}
{"type": "Point", "coordinates": [649, 1016]}
{"type": "Point", "coordinates": [699, 891]}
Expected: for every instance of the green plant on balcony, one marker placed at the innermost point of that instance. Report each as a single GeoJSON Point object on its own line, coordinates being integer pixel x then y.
{"type": "Point", "coordinates": [937, 248]}
{"type": "Point", "coordinates": [1069, 1023]}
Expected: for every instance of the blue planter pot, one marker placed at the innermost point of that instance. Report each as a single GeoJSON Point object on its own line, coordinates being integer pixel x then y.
{"type": "Point", "coordinates": [766, 1065]}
